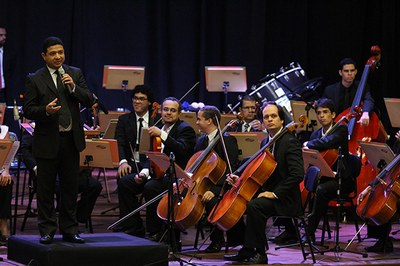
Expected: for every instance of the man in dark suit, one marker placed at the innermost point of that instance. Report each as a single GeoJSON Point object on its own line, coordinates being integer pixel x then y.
{"type": "Point", "coordinates": [52, 99]}
{"type": "Point", "coordinates": [207, 123]}
{"type": "Point", "coordinates": [131, 163]}
{"type": "Point", "coordinates": [279, 195]}
{"type": "Point", "coordinates": [325, 139]}
{"type": "Point", "coordinates": [248, 109]}
{"type": "Point", "coordinates": [343, 92]}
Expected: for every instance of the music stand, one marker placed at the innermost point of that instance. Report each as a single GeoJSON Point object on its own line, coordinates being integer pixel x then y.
{"type": "Point", "coordinates": [393, 107]}
{"type": "Point", "coordinates": [104, 119]}
{"type": "Point", "coordinates": [248, 142]}
{"type": "Point", "coordinates": [190, 118]}
{"type": "Point", "coordinates": [313, 157]}
{"type": "Point", "coordinates": [226, 79]}
{"type": "Point", "coordinates": [379, 154]}
{"type": "Point", "coordinates": [2, 112]}
{"type": "Point", "coordinates": [110, 131]}
{"type": "Point", "coordinates": [226, 118]}
{"type": "Point", "coordinates": [162, 161]}
{"type": "Point", "coordinates": [299, 108]}
{"type": "Point", "coordinates": [122, 77]}
{"type": "Point", "coordinates": [100, 153]}
{"type": "Point", "coordinates": [5, 152]}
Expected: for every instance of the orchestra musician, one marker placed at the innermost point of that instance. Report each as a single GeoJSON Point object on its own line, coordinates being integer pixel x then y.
{"type": "Point", "coordinates": [381, 232]}
{"type": "Point", "coordinates": [248, 109]}
{"type": "Point", "coordinates": [279, 195]}
{"type": "Point", "coordinates": [207, 124]}
{"type": "Point", "coordinates": [343, 92]}
{"type": "Point", "coordinates": [6, 184]}
{"type": "Point", "coordinates": [127, 134]}
{"type": "Point", "coordinates": [322, 140]}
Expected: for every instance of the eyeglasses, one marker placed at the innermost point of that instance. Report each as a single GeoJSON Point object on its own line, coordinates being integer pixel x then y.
{"type": "Point", "coordinates": [139, 99]}
{"type": "Point", "coordinates": [172, 110]}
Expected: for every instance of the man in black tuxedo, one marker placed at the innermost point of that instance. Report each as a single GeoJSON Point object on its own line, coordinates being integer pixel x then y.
{"type": "Point", "coordinates": [280, 193]}
{"type": "Point", "coordinates": [343, 92]}
{"type": "Point", "coordinates": [248, 109]}
{"type": "Point", "coordinates": [325, 139]}
{"type": "Point", "coordinates": [52, 99]}
{"type": "Point", "coordinates": [207, 123]}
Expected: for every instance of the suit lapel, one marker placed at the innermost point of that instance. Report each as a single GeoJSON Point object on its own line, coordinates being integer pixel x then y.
{"type": "Point", "coordinates": [46, 76]}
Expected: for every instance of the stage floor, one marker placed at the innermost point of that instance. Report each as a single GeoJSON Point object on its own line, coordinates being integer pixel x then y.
{"type": "Point", "coordinates": [287, 256]}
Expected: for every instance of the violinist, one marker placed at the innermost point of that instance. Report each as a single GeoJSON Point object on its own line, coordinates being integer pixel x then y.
{"type": "Point", "coordinates": [381, 232]}
{"type": "Point", "coordinates": [207, 124]}
{"type": "Point", "coordinates": [343, 92]}
{"type": "Point", "coordinates": [177, 137]}
{"type": "Point", "coordinates": [279, 195]}
{"type": "Point", "coordinates": [248, 109]}
{"type": "Point", "coordinates": [131, 164]}
{"type": "Point", "coordinates": [322, 140]}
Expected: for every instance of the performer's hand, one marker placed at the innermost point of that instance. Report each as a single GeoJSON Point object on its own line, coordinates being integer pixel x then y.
{"type": "Point", "coordinates": [52, 107]}
{"type": "Point", "coordinates": [5, 178]}
{"type": "Point", "coordinates": [140, 178]}
{"type": "Point", "coordinates": [266, 194]}
{"type": "Point", "coordinates": [154, 131]}
{"type": "Point", "coordinates": [231, 179]}
{"type": "Point", "coordinates": [364, 119]}
{"type": "Point", "coordinates": [256, 125]}
{"type": "Point", "coordinates": [67, 80]}
{"type": "Point", "coordinates": [207, 196]}
{"type": "Point", "coordinates": [124, 169]}
{"type": "Point", "coordinates": [362, 195]}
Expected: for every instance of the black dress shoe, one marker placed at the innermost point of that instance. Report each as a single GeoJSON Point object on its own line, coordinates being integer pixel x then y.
{"type": "Point", "coordinates": [381, 246]}
{"type": "Point", "coordinates": [285, 238]}
{"type": "Point", "coordinates": [258, 258]}
{"type": "Point", "coordinates": [46, 239]}
{"type": "Point", "coordinates": [214, 247]}
{"type": "Point", "coordinates": [73, 239]}
{"type": "Point", "coordinates": [242, 255]}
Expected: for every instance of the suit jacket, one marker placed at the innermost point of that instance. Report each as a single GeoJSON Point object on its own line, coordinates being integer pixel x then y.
{"type": "Point", "coordinates": [285, 180]}
{"type": "Point", "coordinates": [181, 141]}
{"type": "Point", "coordinates": [336, 94]}
{"type": "Point", "coordinates": [233, 153]}
{"type": "Point", "coordinates": [126, 134]}
{"type": "Point", "coordinates": [9, 65]}
{"type": "Point", "coordinates": [333, 141]}
{"type": "Point", "coordinates": [41, 90]}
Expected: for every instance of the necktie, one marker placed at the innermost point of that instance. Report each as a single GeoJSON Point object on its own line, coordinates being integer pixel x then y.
{"type": "Point", "coordinates": [64, 112]}
{"type": "Point", "coordinates": [140, 128]}
{"type": "Point", "coordinates": [1, 67]}
{"type": "Point", "coordinates": [246, 127]}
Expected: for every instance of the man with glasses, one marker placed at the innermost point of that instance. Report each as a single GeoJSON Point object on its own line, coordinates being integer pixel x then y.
{"type": "Point", "coordinates": [249, 111]}
{"type": "Point", "coordinates": [132, 165]}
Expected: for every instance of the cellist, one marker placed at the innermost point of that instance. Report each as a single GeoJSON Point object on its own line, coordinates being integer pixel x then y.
{"type": "Point", "coordinates": [325, 139]}
{"type": "Point", "coordinates": [279, 195]}
{"type": "Point", "coordinates": [343, 92]}
{"type": "Point", "coordinates": [207, 124]}
{"type": "Point", "coordinates": [381, 232]}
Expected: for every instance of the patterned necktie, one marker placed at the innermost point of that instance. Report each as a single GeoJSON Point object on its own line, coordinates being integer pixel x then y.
{"type": "Point", "coordinates": [246, 127]}
{"type": "Point", "coordinates": [64, 112]}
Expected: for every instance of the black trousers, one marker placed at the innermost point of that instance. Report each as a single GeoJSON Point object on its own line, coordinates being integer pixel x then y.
{"type": "Point", "coordinates": [66, 167]}
{"type": "Point", "coordinates": [5, 201]}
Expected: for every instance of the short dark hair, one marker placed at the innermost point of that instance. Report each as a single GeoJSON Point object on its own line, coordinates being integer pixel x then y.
{"type": "Point", "coordinates": [50, 41]}
{"type": "Point", "coordinates": [281, 112]}
{"type": "Point", "coordinates": [146, 90]}
{"type": "Point", "coordinates": [325, 103]}
{"type": "Point", "coordinates": [210, 111]}
{"type": "Point", "coordinates": [174, 100]}
{"type": "Point", "coordinates": [347, 61]}
{"type": "Point", "coordinates": [247, 98]}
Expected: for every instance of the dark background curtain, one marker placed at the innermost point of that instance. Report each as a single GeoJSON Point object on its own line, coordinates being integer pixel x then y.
{"type": "Point", "coordinates": [176, 39]}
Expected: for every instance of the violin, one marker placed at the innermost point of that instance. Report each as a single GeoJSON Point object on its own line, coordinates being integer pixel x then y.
{"type": "Point", "coordinates": [253, 174]}
{"type": "Point", "coordinates": [204, 168]}
{"type": "Point", "coordinates": [380, 204]}
{"type": "Point", "coordinates": [155, 144]}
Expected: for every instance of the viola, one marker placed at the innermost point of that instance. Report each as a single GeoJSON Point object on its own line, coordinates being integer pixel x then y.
{"type": "Point", "coordinates": [380, 204]}
{"type": "Point", "coordinates": [155, 144]}
{"type": "Point", "coordinates": [253, 175]}
{"type": "Point", "coordinates": [204, 168]}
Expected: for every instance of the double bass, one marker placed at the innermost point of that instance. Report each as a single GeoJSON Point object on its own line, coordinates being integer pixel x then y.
{"type": "Point", "coordinates": [380, 204]}
{"type": "Point", "coordinates": [203, 168]}
{"type": "Point", "coordinates": [253, 175]}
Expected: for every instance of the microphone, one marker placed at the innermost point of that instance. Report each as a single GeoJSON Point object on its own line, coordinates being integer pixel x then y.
{"type": "Point", "coordinates": [101, 106]}
{"type": "Point", "coordinates": [16, 111]}
{"type": "Point", "coordinates": [62, 73]}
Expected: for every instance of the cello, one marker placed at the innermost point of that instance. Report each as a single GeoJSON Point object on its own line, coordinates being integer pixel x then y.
{"type": "Point", "coordinates": [253, 174]}
{"type": "Point", "coordinates": [380, 204]}
{"type": "Point", "coordinates": [374, 131]}
{"type": "Point", "coordinates": [202, 168]}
